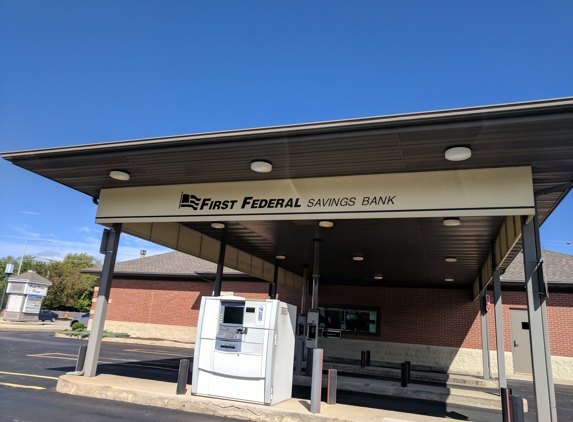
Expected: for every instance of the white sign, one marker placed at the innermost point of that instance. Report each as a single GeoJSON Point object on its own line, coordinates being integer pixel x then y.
{"type": "Point", "coordinates": [501, 191]}
{"type": "Point", "coordinates": [36, 289]}
{"type": "Point", "coordinates": [14, 303]}
{"type": "Point", "coordinates": [33, 304]}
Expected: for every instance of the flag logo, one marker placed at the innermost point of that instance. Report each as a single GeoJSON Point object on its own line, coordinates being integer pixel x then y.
{"type": "Point", "coordinates": [190, 201]}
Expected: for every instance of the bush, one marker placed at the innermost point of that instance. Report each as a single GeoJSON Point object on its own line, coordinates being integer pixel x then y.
{"type": "Point", "coordinates": [78, 326]}
{"type": "Point", "coordinates": [82, 333]}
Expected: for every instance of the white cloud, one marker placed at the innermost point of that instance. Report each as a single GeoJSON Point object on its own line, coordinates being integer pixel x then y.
{"type": "Point", "coordinates": [24, 231]}
{"type": "Point", "coordinates": [30, 212]}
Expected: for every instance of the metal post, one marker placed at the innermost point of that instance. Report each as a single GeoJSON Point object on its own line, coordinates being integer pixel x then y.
{"type": "Point", "coordinates": [499, 338]}
{"type": "Point", "coordinates": [81, 358]}
{"type": "Point", "coordinates": [506, 409]}
{"type": "Point", "coordinates": [484, 335]}
{"type": "Point", "coordinates": [304, 289]}
{"type": "Point", "coordinates": [106, 277]}
{"type": "Point", "coordinates": [331, 386]}
{"type": "Point", "coordinates": [299, 355]}
{"type": "Point", "coordinates": [273, 286]}
{"type": "Point", "coordinates": [534, 311]}
{"type": "Point", "coordinates": [316, 383]}
{"type": "Point", "coordinates": [220, 265]}
{"type": "Point", "coordinates": [182, 376]}
{"type": "Point", "coordinates": [316, 273]}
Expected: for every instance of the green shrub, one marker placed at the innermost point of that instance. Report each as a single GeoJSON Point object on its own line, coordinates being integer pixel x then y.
{"type": "Point", "coordinates": [78, 326]}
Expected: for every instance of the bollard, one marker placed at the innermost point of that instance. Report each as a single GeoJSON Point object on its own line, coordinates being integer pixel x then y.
{"type": "Point", "coordinates": [506, 410]}
{"type": "Point", "coordinates": [316, 383]}
{"type": "Point", "coordinates": [367, 358]}
{"type": "Point", "coordinates": [362, 359]}
{"type": "Point", "coordinates": [517, 409]}
{"type": "Point", "coordinates": [81, 358]}
{"type": "Point", "coordinates": [182, 377]}
{"type": "Point", "coordinates": [299, 356]}
{"type": "Point", "coordinates": [404, 374]}
{"type": "Point", "coordinates": [409, 371]}
{"type": "Point", "coordinates": [332, 386]}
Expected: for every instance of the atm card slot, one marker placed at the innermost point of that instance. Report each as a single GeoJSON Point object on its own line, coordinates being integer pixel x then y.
{"type": "Point", "coordinates": [227, 346]}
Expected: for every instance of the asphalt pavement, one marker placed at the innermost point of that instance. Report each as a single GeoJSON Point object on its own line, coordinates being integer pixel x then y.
{"type": "Point", "coordinates": [40, 354]}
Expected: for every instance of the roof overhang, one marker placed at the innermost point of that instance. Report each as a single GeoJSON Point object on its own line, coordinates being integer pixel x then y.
{"type": "Point", "coordinates": [408, 251]}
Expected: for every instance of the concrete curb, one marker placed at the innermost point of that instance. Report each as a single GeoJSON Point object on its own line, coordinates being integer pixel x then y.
{"type": "Point", "coordinates": [447, 379]}
{"type": "Point", "coordinates": [415, 391]}
{"type": "Point", "coordinates": [154, 393]}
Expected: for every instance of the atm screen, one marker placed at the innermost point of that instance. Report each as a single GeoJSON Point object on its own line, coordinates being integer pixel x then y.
{"type": "Point", "coordinates": [233, 315]}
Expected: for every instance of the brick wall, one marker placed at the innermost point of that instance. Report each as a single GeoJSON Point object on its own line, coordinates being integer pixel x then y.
{"type": "Point", "coordinates": [447, 318]}
{"type": "Point", "coordinates": [177, 302]}
{"type": "Point", "coordinates": [435, 317]}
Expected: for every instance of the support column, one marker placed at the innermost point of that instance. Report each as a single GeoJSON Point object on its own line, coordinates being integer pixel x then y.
{"type": "Point", "coordinates": [273, 285]}
{"type": "Point", "coordinates": [537, 334]}
{"type": "Point", "coordinates": [499, 339]}
{"type": "Point", "coordinates": [484, 334]}
{"type": "Point", "coordinates": [544, 295]}
{"type": "Point", "coordinates": [304, 289]}
{"type": "Point", "coordinates": [220, 265]}
{"type": "Point", "coordinates": [94, 343]}
{"type": "Point", "coordinates": [316, 273]}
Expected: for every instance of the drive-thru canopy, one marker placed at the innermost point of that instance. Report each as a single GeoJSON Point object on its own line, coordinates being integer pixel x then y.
{"type": "Point", "coordinates": [385, 182]}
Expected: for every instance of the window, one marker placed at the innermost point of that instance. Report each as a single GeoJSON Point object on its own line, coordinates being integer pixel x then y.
{"type": "Point", "coordinates": [355, 320]}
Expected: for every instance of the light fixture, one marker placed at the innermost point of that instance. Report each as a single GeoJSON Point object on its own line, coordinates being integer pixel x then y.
{"type": "Point", "coordinates": [458, 153]}
{"type": "Point", "coordinates": [377, 276]}
{"type": "Point", "coordinates": [448, 279]}
{"type": "Point", "coordinates": [451, 259]}
{"type": "Point", "coordinates": [452, 221]}
{"type": "Point", "coordinates": [218, 225]}
{"type": "Point", "coordinates": [326, 223]}
{"type": "Point", "coordinates": [261, 166]}
{"type": "Point", "coordinates": [280, 256]}
{"type": "Point", "coordinates": [119, 175]}
{"type": "Point", "coordinates": [357, 257]}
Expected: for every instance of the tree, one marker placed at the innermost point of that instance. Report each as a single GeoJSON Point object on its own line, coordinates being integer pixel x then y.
{"type": "Point", "coordinates": [70, 289]}
{"type": "Point", "coordinates": [29, 262]}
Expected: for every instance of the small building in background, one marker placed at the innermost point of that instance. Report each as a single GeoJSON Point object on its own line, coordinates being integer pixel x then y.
{"type": "Point", "coordinates": [26, 293]}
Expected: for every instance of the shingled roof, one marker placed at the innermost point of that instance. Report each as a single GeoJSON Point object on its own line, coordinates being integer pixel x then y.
{"type": "Point", "coordinates": [30, 275]}
{"type": "Point", "coordinates": [167, 264]}
{"type": "Point", "coordinates": [558, 268]}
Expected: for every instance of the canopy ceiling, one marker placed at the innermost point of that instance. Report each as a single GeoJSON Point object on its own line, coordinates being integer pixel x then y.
{"type": "Point", "coordinates": [408, 252]}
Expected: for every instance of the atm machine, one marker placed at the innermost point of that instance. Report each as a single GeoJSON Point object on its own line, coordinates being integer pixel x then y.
{"type": "Point", "coordinates": [244, 349]}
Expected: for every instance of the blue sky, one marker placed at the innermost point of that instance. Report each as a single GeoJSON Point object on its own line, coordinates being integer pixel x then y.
{"type": "Point", "coordinates": [80, 72]}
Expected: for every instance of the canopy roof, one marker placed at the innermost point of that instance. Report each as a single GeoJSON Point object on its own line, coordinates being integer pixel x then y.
{"type": "Point", "coordinates": [409, 251]}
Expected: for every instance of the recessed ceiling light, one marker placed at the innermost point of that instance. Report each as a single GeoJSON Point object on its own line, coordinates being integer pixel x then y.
{"type": "Point", "coordinates": [357, 257]}
{"type": "Point", "coordinates": [261, 166]}
{"type": "Point", "coordinates": [218, 225]}
{"type": "Point", "coordinates": [458, 153]}
{"type": "Point", "coordinates": [377, 276]}
{"type": "Point", "coordinates": [325, 223]}
{"type": "Point", "coordinates": [280, 256]}
{"type": "Point", "coordinates": [119, 175]}
{"type": "Point", "coordinates": [451, 259]}
{"type": "Point", "coordinates": [452, 221]}
{"type": "Point", "coordinates": [448, 279]}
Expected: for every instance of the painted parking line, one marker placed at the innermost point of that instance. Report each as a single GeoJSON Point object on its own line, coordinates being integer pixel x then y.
{"type": "Point", "coordinates": [73, 356]}
{"type": "Point", "coordinates": [28, 375]}
{"type": "Point", "coordinates": [33, 387]}
{"type": "Point", "coordinates": [158, 352]}
{"type": "Point", "coordinates": [63, 357]}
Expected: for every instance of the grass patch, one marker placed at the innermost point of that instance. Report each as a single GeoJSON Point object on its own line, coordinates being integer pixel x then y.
{"type": "Point", "coordinates": [86, 334]}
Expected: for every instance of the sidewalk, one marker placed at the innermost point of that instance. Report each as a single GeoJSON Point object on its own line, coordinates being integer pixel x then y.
{"type": "Point", "coordinates": [162, 394]}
